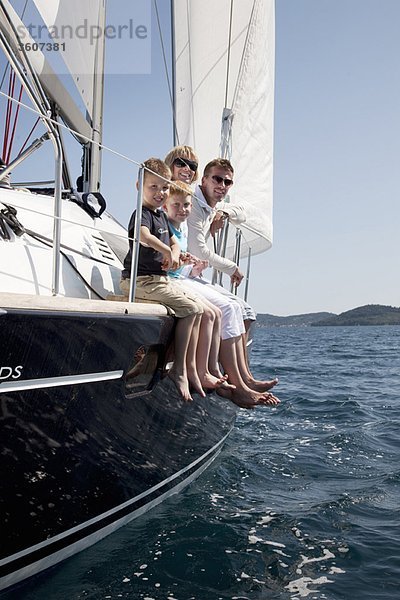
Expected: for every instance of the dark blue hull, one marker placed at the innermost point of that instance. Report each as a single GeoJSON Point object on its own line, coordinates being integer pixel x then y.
{"type": "Point", "coordinates": [91, 435]}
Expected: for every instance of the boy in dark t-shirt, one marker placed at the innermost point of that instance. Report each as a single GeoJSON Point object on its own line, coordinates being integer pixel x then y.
{"type": "Point", "coordinates": [159, 251]}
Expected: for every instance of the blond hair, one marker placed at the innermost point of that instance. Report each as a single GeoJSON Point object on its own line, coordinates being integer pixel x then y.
{"type": "Point", "coordinates": [182, 152]}
{"type": "Point", "coordinates": [156, 166]}
{"type": "Point", "coordinates": [180, 189]}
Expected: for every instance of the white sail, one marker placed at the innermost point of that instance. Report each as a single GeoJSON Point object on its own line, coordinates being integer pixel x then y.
{"type": "Point", "coordinates": [48, 79]}
{"type": "Point", "coordinates": [71, 22]}
{"type": "Point", "coordinates": [224, 59]}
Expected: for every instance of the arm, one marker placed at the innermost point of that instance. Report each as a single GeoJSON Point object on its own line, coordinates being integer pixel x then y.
{"type": "Point", "coordinates": [198, 265]}
{"type": "Point", "coordinates": [234, 213]}
{"type": "Point", "coordinates": [198, 233]}
{"type": "Point", "coordinates": [169, 260]}
{"type": "Point", "coordinates": [175, 253]}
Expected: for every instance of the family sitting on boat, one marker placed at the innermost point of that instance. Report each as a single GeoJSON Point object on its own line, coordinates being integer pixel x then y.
{"type": "Point", "coordinates": [211, 322]}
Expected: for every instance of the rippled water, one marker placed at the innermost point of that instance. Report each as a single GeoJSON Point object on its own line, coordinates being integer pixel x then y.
{"type": "Point", "coordinates": [304, 501]}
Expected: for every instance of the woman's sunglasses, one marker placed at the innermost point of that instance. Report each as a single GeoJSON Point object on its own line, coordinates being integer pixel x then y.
{"type": "Point", "coordinates": [218, 179]}
{"type": "Point", "coordinates": [185, 162]}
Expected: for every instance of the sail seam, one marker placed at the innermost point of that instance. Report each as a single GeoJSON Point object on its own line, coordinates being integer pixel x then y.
{"type": "Point", "coordinates": [241, 67]}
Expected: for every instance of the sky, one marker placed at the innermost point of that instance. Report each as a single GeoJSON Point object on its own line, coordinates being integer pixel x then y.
{"type": "Point", "coordinates": [336, 153]}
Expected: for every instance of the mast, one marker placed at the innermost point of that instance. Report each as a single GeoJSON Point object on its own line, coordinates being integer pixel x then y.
{"type": "Point", "coordinates": [97, 115]}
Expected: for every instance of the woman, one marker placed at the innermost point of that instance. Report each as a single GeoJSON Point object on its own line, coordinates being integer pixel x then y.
{"type": "Point", "coordinates": [184, 164]}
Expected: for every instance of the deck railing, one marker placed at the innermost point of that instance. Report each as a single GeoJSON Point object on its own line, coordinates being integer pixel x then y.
{"type": "Point", "coordinates": [52, 133]}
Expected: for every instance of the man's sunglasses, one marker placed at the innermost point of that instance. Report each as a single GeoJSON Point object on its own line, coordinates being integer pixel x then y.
{"type": "Point", "coordinates": [218, 179]}
{"type": "Point", "coordinates": [185, 162]}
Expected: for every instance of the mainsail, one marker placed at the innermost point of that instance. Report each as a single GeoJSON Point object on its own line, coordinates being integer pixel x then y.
{"type": "Point", "coordinates": [84, 57]}
{"type": "Point", "coordinates": [9, 23]}
{"type": "Point", "coordinates": [67, 21]}
{"type": "Point", "coordinates": [70, 24]}
{"type": "Point", "coordinates": [224, 98]}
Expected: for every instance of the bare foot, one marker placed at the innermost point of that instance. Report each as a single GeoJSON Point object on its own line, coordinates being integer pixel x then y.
{"type": "Point", "coordinates": [217, 373]}
{"type": "Point", "coordinates": [270, 399]}
{"type": "Point", "coordinates": [261, 386]}
{"type": "Point", "coordinates": [248, 398]}
{"type": "Point", "coordinates": [209, 382]}
{"type": "Point", "coordinates": [181, 384]}
{"type": "Point", "coordinates": [225, 385]}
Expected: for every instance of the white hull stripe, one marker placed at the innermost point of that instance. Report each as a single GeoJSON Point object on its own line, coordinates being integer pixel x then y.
{"type": "Point", "coordinates": [116, 509]}
{"type": "Point", "coordinates": [68, 551]}
{"type": "Point", "coordinates": [49, 382]}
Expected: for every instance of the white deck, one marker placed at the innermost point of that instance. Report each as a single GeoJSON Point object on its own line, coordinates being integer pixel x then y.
{"type": "Point", "coordinates": [61, 303]}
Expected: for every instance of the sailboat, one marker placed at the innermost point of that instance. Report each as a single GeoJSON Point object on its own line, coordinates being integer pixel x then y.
{"type": "Point", "coordinates": [93, 433]}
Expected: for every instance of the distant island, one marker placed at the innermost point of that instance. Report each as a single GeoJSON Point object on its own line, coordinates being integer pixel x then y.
{"type": "Point", "coordinates": [370, 314]}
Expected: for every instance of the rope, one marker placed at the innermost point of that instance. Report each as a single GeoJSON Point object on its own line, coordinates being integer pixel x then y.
{"type": "Point", "coordinates": [71, 263]}
{"type": "Point", "coordinates": [9, 216]}
{"type": "Point", "coordinates": [72, 131]}
{"type": "Point", "coordinates": [5, 73]}
{"type": "Point", "coordinates": [83, 137]}
{"type": "Point", "coordinates": [29, 135]}
{"type": "Point", "coordinates": [7, 160]}
{"type": "Point", "coordinates": [11, 84]}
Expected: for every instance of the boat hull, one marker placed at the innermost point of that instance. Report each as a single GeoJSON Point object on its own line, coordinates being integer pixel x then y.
{"type": "Point", "coordinates": [92, 436]}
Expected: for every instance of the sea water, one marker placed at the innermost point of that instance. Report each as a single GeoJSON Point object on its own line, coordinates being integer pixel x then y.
{"type": "Point", "coordinates": [303, 502]}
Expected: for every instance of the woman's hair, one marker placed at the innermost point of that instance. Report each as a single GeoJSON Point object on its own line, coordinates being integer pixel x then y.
{"type": "Point", "coordinates": [182, 152]}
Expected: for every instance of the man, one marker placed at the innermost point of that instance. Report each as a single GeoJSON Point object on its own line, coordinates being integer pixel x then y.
{"type": "Point", "coordinates": [207, 215]}
{"type": "Point", "coordinates": [209, 212]}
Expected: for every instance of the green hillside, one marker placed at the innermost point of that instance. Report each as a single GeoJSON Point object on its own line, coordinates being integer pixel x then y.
{"type": "Point", "coordinates": [266, 320]}
{"type": "Point", "coordinates": [371, 314]}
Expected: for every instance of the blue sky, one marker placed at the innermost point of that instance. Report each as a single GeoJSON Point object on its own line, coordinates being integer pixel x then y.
{"type": "Point", "coordinates": [337, 153]}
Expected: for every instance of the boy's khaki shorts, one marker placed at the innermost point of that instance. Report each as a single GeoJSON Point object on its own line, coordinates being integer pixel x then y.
{"type": "Point", "coordinates": [163, 290]}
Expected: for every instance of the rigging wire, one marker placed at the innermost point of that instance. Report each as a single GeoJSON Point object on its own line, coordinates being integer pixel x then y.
{"type": "Point", "coordinates": [11, 84]}
{"type": "Point", "coordinates": [7, 159]}
{"type": "Point", "coordinates": [166, 70]}
{"type": "Point", "coordinates": [2, 82]}
{"type": "Point", "coordinates": [28, 137]}
{"type": "Point", "coordinates": [189, 47]}
{"type": "Point", "coordinates": [4, 74]}
{"type": "Point", "coordinates": [8, 64]}
{"type": "Point", "coordinates": [49, 244]}
{"type": "Point", "coordinates": [72, 131]}
{"type": "Point", "coordinates": [83, 137]}
{"type": "Point", "coordinates": [80, 135]}
{"type": "Point", "coordinates": [226, 130]}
